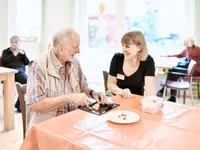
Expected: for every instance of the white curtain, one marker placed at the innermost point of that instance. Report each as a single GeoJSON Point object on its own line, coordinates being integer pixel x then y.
{"type": "Point", "coordinates": [197, 22]}
{"type": "Point", "coordinates": [193, 19]}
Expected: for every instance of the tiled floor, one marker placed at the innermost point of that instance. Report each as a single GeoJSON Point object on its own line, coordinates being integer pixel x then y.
{"type": "Point", "coordinates": [13, 139]}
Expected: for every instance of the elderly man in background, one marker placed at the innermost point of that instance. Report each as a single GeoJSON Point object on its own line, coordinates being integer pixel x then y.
{"type": "Point", "coordinates": [190, 52]}
{"type": "Point", "coordinates": [56, 83]}
{"type": "Point", "coordinates": [16, 58]}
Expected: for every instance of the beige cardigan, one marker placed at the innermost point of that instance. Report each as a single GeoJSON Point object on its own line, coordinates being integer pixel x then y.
{"type": "Point", "coordinates": [52, 87]}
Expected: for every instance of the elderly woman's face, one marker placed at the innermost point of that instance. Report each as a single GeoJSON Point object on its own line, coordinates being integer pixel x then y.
{"type": "Point", "coordinates": [188, 42]}
{"type": "Point", "coordinates": [130, 51]}
{"type": "Point", "coordinates": [71, 49]}
{"type": "Point", "coordinates": [14, 43]}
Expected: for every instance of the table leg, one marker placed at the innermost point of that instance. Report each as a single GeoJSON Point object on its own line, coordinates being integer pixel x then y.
{"type": "Point", "coordinates": [8, 86]}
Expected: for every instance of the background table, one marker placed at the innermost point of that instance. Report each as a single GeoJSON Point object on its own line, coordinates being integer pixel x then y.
{"type": "Point", "coordinates": [8, 77]}
{"type": "Point", "coordinates": [166, 62]}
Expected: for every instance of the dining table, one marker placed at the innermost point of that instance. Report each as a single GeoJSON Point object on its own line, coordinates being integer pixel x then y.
{"type": "Point", "coordinates": [166, 62]}
{"type": "Point", "coordinates": [174, 127]}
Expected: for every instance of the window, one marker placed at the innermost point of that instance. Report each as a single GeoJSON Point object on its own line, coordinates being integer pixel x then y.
{"type": "Point", "coordinates": [29, 18]}
{"type": "Point", "coordinates": [152, 17]}
{"type": "Point", "coordinates": [101, 27]}
{"type": "Point", "coordinates": [157, 19]}
{"type": "Point", "coordinates": [101, 30]}
{"type": "Point", "coordinates": [159, 25]}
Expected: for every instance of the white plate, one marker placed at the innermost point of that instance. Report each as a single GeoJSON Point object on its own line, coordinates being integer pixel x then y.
{"type": "Point", "coordinates": [117, 117]}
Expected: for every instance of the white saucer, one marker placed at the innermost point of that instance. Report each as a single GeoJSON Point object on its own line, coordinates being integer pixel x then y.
{"type": "Point", "coordinates": [123, 117]}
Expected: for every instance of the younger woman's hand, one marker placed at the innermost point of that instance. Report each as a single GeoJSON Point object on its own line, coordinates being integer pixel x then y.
{"type": "Point", "coordinates": [126, 93]}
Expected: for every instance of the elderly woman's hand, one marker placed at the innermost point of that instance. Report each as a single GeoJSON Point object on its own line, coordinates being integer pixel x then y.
{"type": "Point", "coordinates": [22, 52]}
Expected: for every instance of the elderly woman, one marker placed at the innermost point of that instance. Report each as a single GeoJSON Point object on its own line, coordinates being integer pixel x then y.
{"type": "Point", "coordinates": [190, 52]}
{"type": "Point", "coordinates": [193, 52]}
{"type": "Point", "coordinates": [14, 57]}
{"type": "Point", "coordinates": [133, 69]}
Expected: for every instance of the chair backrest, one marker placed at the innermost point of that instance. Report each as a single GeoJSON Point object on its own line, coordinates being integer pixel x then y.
{"type": "Point", "coordinates": [191, 67]}
{"type": "Point", "coordinates": [0, 62]}
{"type": "Point", "coordinates": [105, 77]}
{"type": "Point", "coordinates": [21, 89]}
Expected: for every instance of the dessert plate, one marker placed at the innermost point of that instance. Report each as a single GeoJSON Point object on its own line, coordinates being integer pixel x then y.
{"type": "Point", "coordinates": [123, 117]}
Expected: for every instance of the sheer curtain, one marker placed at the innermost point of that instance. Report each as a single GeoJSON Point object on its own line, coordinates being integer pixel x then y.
{"type": "Point", "coordinates": [193, 19]}
{"type": "Point", "coordinates": [197, 21]}
{"type": "Point", "coordinates": [190, 12]}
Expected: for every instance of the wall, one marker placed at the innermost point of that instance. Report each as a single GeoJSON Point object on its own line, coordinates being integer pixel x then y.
{"type": "Point", "coordinates": [8, 21]}
{"type": "Point", "coordinates": [8, 28]}
{"type": "Point", "coordinates": [55, 15]}
{"type": "Point", "coordinates": [31, 48]}
{"type": "Point", "coordinates": [3, 24]}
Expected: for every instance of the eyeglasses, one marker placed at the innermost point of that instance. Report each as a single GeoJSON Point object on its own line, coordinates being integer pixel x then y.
{"type": "Point", "coordinates": [75, 47]}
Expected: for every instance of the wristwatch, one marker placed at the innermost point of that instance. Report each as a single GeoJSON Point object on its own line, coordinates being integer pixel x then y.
{"type": "Point", "coordinates": [91, 91]}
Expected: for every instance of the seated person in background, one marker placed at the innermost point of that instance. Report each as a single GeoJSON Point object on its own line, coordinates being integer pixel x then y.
{"type": "Point", "coordinates": [133, 69]}
{"type": "Point", "coordinates": [194, 53]}
{"type": "Point", "coordinates": [56, 83]}
{"type": "Point", "coordinates": [190, 52]}
{"type": "Point", "coordinates": [14, 57]}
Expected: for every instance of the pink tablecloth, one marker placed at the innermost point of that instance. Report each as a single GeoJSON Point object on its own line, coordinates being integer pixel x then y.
{"type": "Point", "coordinates": [177, 127]}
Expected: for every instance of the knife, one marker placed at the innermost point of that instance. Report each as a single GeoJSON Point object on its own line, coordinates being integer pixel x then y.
{"type": "Point", "coordinates": [92, 104]}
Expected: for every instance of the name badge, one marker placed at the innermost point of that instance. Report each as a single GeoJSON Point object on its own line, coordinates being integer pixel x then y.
{"type": "Point", "coordinates": [120, 76]}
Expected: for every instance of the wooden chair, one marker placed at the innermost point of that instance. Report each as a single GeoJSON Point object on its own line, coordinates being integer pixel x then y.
{"type": "Point", "coordinates": [21, 89]}
{"type": "Point", "coordinates": [1, 66]}
{"type": "Point", "coordinates": [0, 62]}
{"type": "Point", "coordinates": [177, 85]}
{"type": "Point", "coordinates": [197, 80]}
{"type": "Point", "coordinates": [105, 77]}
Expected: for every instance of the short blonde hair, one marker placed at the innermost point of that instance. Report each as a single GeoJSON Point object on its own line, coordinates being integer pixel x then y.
{"type": "Point", "coordinates": [63, 35]}
{"type": "Point", "coordinates": [137, 38]}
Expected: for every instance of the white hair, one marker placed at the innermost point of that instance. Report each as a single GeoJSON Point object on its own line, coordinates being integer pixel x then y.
{"type": "Point", "coordinates": [189, 39]}
{"type": "Point", "coordinates": [15, 38]}
{"type": "Point", "coordinates": [63, 36]}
